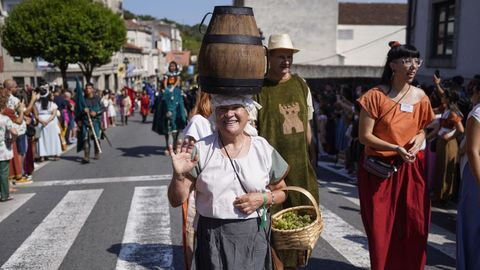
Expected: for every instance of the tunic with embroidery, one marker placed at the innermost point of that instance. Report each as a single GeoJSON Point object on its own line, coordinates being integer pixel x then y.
{"type": "Point", "coordinates": [283, 122]}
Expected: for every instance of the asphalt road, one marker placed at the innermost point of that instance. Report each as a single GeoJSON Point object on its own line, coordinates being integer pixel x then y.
{"type": "Point", "coordinates": [113, 214]}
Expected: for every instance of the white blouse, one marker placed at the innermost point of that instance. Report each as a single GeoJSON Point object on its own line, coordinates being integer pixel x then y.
{"type": "Point", "coordinates": [198, 127]}
{"type": "Point", "coordinates": [217, 186]}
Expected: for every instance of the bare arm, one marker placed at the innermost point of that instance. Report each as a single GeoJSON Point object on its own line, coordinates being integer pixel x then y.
{"type": "Point", "coordinates": [473, 147]}
{"type": "Point", "coordinates": [459, 130]}
{"type": "Point", "coordinates": [438, 87]}
{"type": "Point", "coordinates": [32, 103]}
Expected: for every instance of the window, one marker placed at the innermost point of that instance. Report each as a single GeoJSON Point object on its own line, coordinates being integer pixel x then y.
{"type": "Point", "coordinates": [18, 59]}
{"type": "Point", "coordinates": [443, 29]}
{"type": "Point", "coordinates": [345, 34]}
{"type": "Point", "coordinates": [20, 81]}
{"type": "Point", "coordinates": [107, 81]}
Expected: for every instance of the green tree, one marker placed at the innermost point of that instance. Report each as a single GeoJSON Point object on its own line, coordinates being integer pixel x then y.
{"type": "Point", "coordinates": [128, 15]}
{"type": "Point", "coordinates": [64, 32]}
{"type": "Point", "coordinates": [104, 33]}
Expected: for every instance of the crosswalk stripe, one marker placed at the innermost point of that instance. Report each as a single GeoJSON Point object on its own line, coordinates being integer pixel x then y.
{"type": "Point", "coordinates": [439, 238]}
{"type": "Point", "coordinates": [103, 180]}
{"type": "Point", "coordinates": [47, 246]}
{"type": "Point", "coordinates": [346, 239]}
{"type": "Point", "coordinates": [9, 207]}
{"type": "Point", "coordinates": [146, 242]}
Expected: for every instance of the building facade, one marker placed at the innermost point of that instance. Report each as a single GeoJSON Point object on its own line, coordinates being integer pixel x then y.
{"type": "Point", "coordinates": [446, 33]}
{"type": "Point", "coordinates": [364, 30]}
{"type": "Point", "coordinates": [312, 25]}
{"type": "Point", "coordinates": [351, 36]}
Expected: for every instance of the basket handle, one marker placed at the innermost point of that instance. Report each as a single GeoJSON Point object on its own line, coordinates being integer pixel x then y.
{"type": "Point", "coordinates": [307, 194]}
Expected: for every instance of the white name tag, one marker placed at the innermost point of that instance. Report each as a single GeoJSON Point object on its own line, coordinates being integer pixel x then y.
{"type": "Point", "coordinates": [406, 108]}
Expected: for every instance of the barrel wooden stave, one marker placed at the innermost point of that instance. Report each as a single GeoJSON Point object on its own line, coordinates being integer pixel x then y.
{"type": "Point", "coordinates": [228, 24]}
{"type": "Point", "coordinates": [233, 61]}
{"type": "Point", "coordinates": [219, 61]}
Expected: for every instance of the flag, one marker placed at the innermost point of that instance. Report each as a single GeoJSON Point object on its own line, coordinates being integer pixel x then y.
{"type": "Point", "coordinates": [131, 94]}
{"type": "Point", "coordinates": [121, 70]}
{"type": "Point", "coordinates": [150, 93]}
{"type": "Point", "coordinates": [79, 99]}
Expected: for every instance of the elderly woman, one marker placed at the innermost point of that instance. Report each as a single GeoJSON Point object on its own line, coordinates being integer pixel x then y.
{"type": "Point", "coordinates": [237, 175]}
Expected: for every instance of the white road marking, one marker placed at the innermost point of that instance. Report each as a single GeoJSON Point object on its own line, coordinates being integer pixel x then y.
{"type": "Point", "coordinates": [47, 246]}
{"type": "Point", "coordinates": [103, 180]}
{"type": "Point", "coordinates": [146, 242]}
{"type": "Point", "coordinates": [439, 238]}
{"type": "Point", "coordinates": [346, 239]}
{"type": "Point", "coordinates": [8, 207]}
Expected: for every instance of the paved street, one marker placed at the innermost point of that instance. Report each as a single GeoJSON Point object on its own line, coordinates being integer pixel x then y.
{"type": "Point", "coordinates": [114, 214]}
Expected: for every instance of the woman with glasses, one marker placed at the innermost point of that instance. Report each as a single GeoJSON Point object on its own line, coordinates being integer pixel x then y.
{"type": "Point", "coordinates": [394, 201]}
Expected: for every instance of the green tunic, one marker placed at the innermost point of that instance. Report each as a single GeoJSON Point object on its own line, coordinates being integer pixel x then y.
{"type": "Point", "coordinates": [82, 134]}
{"type": "Point", "coordinates": [283, 122]}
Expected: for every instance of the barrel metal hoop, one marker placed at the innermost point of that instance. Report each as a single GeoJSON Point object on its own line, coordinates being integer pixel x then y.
{"type": "Point", "coordinates": [233, 39]}
{"type": "Point", "coordinates": [233, 10]}
{"type": "Point", "coordinates": [228, 82]}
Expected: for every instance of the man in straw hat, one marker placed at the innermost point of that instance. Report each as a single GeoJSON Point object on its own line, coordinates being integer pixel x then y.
{"type": "Point", "coordinates": [284, 121]}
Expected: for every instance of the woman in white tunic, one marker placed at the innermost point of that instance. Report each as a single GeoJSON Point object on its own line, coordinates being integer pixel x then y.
{"type": "Point", "coordinates": [236, 176]}
{"type": "Point", "coordinates": [46, 114]}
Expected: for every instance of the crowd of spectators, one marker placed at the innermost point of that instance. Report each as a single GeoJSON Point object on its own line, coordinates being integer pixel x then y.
{"type": "Point", "coordinates": [336, 122]}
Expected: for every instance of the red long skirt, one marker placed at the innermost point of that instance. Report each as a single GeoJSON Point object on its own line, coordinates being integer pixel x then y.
{"type": "Point", "coordinates": [396, 216]}
{"type": "Point", "coordinates": [15, 163]}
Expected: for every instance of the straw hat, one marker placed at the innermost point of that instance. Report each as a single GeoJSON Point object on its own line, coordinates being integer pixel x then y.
{"type": "Point", "coordinates": [281, 41]}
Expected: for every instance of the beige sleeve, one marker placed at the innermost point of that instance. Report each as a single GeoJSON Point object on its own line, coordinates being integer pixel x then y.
{"type": "Point", "coordinates": [309, 105]}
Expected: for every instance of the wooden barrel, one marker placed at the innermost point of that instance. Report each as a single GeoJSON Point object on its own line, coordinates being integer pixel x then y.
{"type": "Point", "coordinates": [232, 57]}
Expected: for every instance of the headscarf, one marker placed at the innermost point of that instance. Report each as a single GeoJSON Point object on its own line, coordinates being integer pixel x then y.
{"type": "Point", "coordinates": [246, 101]}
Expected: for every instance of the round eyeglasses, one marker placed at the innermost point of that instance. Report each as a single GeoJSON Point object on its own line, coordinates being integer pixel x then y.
{"type": "Point", "coordinates": [411, 61]}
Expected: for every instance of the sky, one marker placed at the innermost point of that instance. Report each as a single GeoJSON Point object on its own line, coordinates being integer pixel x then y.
{"type": "Point", "coordinates": [191, 12]}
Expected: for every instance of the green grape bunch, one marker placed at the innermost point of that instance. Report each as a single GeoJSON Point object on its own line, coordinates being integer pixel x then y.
{"type": "Point", "coordinates": [291, 220]}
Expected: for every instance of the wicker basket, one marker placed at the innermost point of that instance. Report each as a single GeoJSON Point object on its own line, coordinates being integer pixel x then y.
{"type": "Point", "coordinates": [302, 239]}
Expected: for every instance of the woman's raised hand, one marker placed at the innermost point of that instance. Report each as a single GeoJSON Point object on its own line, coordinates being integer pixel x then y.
{"type": "Point", "coordinates": [182, 160]}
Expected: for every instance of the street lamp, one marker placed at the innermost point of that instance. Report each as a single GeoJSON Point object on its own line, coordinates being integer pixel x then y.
{"type": "Point", "coordinates": [126, 62]}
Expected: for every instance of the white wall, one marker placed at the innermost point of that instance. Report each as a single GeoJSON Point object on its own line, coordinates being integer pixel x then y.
{"type": "Point", "coordinates": [369, 43]}
{"type": "Point", "coordinates": [311, 24]}
{"type": "Point", "coordinates": [140, 39]}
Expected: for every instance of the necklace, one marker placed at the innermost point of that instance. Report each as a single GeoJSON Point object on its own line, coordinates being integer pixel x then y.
{"type": "Point", "coordinates": [225, 148]}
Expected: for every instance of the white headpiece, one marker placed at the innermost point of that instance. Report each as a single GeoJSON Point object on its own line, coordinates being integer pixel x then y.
{"type": "Point", "coordinates": [47, 92]}
{"type": "Point", "coordinates": [248, 103]}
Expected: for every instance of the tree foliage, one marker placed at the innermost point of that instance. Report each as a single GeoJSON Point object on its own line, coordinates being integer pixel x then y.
{"type": "Point", "coordinates": [128, 15]}
{"type": "Point", "coordinates": [64, 32]}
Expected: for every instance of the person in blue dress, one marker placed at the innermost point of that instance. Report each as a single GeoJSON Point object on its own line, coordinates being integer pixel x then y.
{"type": "Point", "coordinates": [169, 110]}
{"type": "Point", "coordinates": [468, 215]}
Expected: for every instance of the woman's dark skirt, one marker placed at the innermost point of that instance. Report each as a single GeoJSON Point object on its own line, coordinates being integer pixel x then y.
{"type": "Point", "coordinates": [232, 244]}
